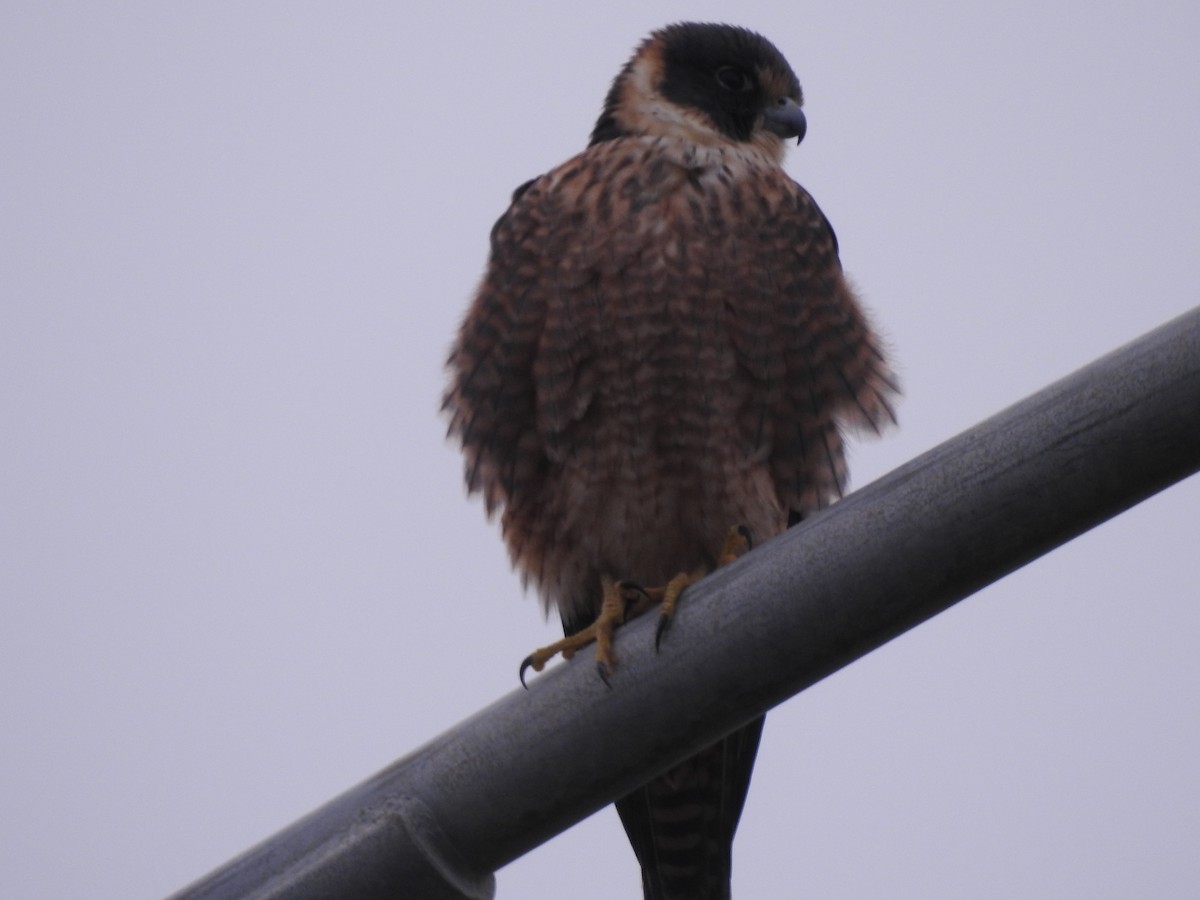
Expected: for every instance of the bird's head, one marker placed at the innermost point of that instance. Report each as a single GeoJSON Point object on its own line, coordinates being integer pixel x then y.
{"type": "Point", "coordinates": [712, 84]}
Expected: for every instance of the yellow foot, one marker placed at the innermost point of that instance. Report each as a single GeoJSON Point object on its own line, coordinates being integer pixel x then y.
{"type": "Point", "coordinates": [737, 542]}
{"type": "Point", "coordinates": [622, 599]}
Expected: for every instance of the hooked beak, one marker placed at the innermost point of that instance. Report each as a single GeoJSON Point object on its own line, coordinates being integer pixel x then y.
{"type": "Point", "coordinates": [786, 119]}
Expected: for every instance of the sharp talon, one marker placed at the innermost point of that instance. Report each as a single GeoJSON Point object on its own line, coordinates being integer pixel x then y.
{"type": "Point", "coordinates": [633, 586]}
{"type": "Point", "coordinates": [525, 664]}
{"type": "Point", "coordinates": [747, 536]}
{"type": "Point", "coordinates": [664, 623]}
{"type": "Point", "coordinates": [624, 587]}
{"type": "Point", "coordinates": [602, 671]}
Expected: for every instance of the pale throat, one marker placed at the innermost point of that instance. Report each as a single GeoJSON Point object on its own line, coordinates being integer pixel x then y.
{"type": "Point", "coordinates": [644, 111]}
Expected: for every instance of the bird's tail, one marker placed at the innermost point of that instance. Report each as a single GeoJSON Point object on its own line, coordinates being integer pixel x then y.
{"type": "Point", "coordinates": [681, 824]}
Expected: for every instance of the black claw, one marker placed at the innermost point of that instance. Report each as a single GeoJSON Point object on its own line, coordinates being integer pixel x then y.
{"type": "Point", "coordinates": [525, 664]}
{"type": "Point", "coordinates": [664, 623]}
{"type": "Point", "coordinates": [602, 670]}
{"type": "Point", "coordinates": [633, 586]}
{"type": "Point", "coordinates": [747, 536]}
{"type": "Point", "coordinates": [636, 588]}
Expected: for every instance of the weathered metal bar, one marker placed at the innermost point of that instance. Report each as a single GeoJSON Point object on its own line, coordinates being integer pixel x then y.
{"type": "Point", "coordinates": [440, 821]}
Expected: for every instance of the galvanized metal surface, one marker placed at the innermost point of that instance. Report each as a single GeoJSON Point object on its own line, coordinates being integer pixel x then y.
{"type": "Point", "coordinates": [438, 822]}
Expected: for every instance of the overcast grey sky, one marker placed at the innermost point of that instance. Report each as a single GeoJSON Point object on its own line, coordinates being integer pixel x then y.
{"type": "Point", "coordinates": [238, 570]}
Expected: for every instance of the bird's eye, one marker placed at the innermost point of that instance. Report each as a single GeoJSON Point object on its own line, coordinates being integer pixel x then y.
{"type": "Point", "coordinates": [733, 78]}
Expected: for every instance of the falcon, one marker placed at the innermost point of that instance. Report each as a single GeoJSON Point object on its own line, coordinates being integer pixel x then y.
{"type": "Point", "coordinates": [660, 363]}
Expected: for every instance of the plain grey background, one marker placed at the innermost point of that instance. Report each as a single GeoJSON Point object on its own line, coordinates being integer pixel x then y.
{"type": "Point", "coordinates": [238, 570]}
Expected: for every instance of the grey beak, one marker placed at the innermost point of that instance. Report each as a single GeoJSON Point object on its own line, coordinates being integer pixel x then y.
{"type": "Point", "coordinates": [786, 119]}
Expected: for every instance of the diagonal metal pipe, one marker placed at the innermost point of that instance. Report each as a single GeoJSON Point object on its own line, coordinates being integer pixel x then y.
{"type": "Point", "coordinates": [438, 822]}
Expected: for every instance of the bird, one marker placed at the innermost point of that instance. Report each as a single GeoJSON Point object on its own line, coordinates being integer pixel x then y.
{"type": "Point", "coordinates": [659, 364]}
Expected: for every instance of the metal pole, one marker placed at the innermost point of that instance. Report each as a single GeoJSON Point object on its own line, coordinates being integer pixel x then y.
{"type": "Point", "coordinates": [438, 822]}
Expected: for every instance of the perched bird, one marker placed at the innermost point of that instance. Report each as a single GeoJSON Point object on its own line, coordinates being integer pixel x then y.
{"type": "Point", "coordinates": [663, 348]}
